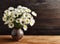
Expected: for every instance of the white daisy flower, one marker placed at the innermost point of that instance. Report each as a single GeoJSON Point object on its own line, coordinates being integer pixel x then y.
{"type": "Point", "coordinates": [16, 15]}
{"type": "Point", "coordinates": [26, 14]}
{"type": "Point", "coordinates": [11, 8]}
{"type": "Point", "coordinates": [32, 22]}
{"type": "Point", "coordinates": [9, 13]}
{"type": "Point", "coordinates": [6, 11]}
{"type": "Point", "coordinates": [11, 25]}
{"type": "Point", "coordinates": [19, 7]}
{"type": "Point", "coordinates": [33, 13]}
{"type": "Point", "coordinates": [12, 14]}
{"type": "Point", "coordinates": [4, 15]}
{"type": "Point", "coordinates": [29, 16]}
{"type": "Point", "coordinates": [22, 10]}
{"type": "Point", "coordinates": [25, 27]}
{"type": "Point", "coordinates": [7, 22]}
{"type": "Point", "coordinates": [27, 21]}
{"type": "Point", "coordinates": [28, 10]}
{"type": "Point", "coordinates": [4, 18]}
{"type": "Point", "coordinates": [22, 20]}
{"type": "Point", "coordinates": [18, 12]}
{"type": "Point", "coordinates": [11, 19]}
{"type": "Point", "coordinates": [18, 20]}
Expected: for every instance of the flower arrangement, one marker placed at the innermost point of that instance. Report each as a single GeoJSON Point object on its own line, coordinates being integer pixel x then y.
{"type": "Point", "coordinates": [19, 17]}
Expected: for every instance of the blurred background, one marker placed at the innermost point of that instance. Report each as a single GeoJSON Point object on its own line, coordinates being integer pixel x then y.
{"type": "Point", "coordinates": [47, 20]}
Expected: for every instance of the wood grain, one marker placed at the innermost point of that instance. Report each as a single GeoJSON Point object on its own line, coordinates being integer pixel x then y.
{"type": "Point", "coordinates": [6, 39]}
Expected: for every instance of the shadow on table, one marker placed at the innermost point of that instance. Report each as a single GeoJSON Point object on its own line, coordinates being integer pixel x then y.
{"type": "Point", "coordinates": [7, 40]}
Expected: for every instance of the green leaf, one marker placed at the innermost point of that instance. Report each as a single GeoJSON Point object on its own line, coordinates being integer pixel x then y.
{"type": "Point", "coordinates": [17, 25]}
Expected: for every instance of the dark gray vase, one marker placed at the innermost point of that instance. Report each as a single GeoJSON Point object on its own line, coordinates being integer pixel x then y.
{"type": "Point", "coordinates": [17, 34]}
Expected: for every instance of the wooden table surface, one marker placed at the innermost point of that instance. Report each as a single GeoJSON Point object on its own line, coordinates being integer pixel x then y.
{"type": "Point", "coordinates": [30, 39]}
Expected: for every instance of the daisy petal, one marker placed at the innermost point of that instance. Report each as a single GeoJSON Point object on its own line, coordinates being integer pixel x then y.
{"type": "Point", "coordinates": [25, 27]}
{"type": "Point", "coordinates": [33, 13]}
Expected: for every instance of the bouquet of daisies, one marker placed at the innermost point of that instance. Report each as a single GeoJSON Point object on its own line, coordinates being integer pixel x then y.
{"type": "Point", "coordinates": [19, 17]}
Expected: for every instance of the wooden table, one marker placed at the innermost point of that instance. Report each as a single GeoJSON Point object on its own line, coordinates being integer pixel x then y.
{"type": "Point", "coordinates": [30, 39]}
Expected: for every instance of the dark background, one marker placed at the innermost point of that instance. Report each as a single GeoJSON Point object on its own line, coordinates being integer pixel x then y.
{"type": "Point", "coordinates": [47, 20]}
